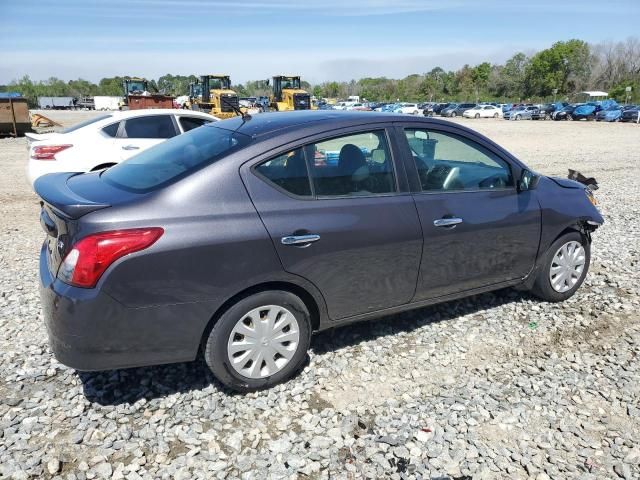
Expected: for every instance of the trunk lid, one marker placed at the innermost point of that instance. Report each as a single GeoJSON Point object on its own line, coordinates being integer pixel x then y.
{"type": "Point", "coordinates": [65, 198]}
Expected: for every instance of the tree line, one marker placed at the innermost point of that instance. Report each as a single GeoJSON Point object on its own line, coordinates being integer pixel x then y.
{"type": "Point", "coordinates": [558, 72]}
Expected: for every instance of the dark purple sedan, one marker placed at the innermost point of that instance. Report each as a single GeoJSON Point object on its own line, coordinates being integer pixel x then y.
{"type": "Point", "coordinates": [241, 238]}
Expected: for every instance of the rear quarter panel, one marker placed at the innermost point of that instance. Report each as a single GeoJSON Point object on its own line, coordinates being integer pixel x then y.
{"type": "Point", "coordinates": [214, 242]}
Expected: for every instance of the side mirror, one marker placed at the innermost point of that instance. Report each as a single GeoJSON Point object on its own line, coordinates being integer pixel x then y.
{"type": "Point", "coordinates": [528, 181]}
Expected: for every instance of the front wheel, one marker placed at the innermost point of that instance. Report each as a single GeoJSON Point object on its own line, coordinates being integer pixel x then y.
{"type": "Point", "coordinates": [495, 115]}
{"type": "Point", "coordinates": [477, 115]}
{"type": "Point", "coordinates": [564, 268]}
{"type": "Point", "coordinates": [260, 341]}
{"type": "Point", "coordinates": [454, 115]}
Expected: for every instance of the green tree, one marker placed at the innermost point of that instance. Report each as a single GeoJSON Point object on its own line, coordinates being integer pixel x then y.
{"type": "Point", "coordinates": [111, 86]}
{"type": "Point", "coordinates": [565, 66]}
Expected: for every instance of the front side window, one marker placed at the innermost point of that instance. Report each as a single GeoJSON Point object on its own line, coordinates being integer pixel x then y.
{"type": "Point", "coordinates": [451, 162]}
{"type": "Point", "coordinates": [358, 164]}
{"type": "Point", "coordinates": [152, 126]}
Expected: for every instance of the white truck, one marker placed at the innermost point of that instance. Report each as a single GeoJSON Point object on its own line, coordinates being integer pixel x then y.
{"type": "Point", "coordinates": [56, 103]}
{"type": "Point", "coordinates": [106, 102]}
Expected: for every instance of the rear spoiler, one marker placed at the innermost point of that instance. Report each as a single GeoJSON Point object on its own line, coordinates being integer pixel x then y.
{"type": "Point", "coordinates": [54, 190]}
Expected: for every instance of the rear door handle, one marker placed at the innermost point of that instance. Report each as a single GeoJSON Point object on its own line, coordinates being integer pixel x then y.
{"type": "Point", "coordinates": [300, 240]}
{"type": "Point", "coordinates": [130, 147]}
{"type": "Point", "coordinates": [447, 222]}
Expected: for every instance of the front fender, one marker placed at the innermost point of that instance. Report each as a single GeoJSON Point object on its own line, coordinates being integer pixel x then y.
{"type": "Point", "coordinates": [564, 206]}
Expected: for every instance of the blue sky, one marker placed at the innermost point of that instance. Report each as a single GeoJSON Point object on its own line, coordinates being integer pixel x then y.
{"type": "Point", "coordinates": [321, 40]}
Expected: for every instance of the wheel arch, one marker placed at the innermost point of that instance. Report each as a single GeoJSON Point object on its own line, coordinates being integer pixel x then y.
{"type": "Point", "coordinates": [309, 300]}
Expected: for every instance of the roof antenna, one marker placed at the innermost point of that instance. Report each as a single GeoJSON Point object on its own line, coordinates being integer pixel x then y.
{"type": "Point", "coordinates": [245, 116]}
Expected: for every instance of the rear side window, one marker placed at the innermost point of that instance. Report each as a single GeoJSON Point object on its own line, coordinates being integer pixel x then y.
{"type": "Point", "coordinates": [288, 171]}
{"type": "Point", "coordinates": [189, 123]}
{"type": "Point", "coordinates": [111, 130]}
{"type": "Point", "coordinates": [152, 126]}
{"type": "Point", "coordinates": [174, 159]}
{"type": "Point", "coordinates": [352, 165]}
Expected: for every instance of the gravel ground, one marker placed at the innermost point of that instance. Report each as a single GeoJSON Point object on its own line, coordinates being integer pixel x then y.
{"type": "Point", "coordinates": [495, 386]}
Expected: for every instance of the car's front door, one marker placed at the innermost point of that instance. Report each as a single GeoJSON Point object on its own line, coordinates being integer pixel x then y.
{"type": "Point", "coordinates": [340, 215]}
{"type": "Point", "coordinates": [478, 229]}
{"type": "Point", "coordinates": [139, 133]}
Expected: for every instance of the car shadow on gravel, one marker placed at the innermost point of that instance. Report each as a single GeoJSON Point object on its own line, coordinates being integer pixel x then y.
{"type": "Point", "coordinates": [340, 337]}
{"type": "Point", "coordinates": [127, 386]}
{"type": "Point", "coordinates": [116, 387]}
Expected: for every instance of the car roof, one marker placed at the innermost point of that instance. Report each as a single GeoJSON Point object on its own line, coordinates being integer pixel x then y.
{"type": "Point", "coordinates": [155, 111]}
{"type": "Point", "coordinates": [265, 124]}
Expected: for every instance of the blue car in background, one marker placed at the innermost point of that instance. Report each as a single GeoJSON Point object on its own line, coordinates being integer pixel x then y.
{"type": "Point", "coordinates": [610, 114]}
{"type": "Point", "coordinates": [587, 111]}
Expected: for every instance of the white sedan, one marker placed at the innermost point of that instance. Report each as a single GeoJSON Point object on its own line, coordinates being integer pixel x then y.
{"type": "Point", "coordinates": [409, 108]}
{"type": "Point", "coordinates": [483, 111]}
{"type": "Point", "coordinates": [107, 139]}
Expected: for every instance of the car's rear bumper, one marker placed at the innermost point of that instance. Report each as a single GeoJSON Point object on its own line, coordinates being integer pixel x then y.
{"type": "Point", "coordinates": [90, 330]}
{"type": "Point", "coordinates": [38, 168]}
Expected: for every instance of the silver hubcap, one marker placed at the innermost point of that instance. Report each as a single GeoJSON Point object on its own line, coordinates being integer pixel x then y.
{"type": "Point", "coordinates": [567, 266]}
{"type": "Point", "coordinates": [263, 341]}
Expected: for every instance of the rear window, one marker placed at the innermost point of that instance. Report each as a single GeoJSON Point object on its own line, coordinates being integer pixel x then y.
{"type": "Point", "coordinates": [78, 126]}
{"type": "Point", "coordinates": [174, 159]}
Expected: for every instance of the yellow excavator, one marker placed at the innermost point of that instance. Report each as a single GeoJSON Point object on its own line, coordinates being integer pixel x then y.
{"type": "Point", "coordinates": [213, 94]}
{"type": "Point", "coordinates": [287, 94]}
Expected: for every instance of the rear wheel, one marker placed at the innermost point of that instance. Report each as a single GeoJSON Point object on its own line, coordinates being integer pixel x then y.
{"type": "Point", "coordinates": [518, 117]}
{"type": "Point", "coordinates": [260, 341]}
{"type": "Point", "coordinates": [570, 118]}
{"type": "Point", "coordinates": [495, 115]}
{"type": "Point", "coordinates": [564, 268]}
{"type": "Point", "coordinates": [454, 114]}
{"type": "Point", "coordinates": [477, 115]}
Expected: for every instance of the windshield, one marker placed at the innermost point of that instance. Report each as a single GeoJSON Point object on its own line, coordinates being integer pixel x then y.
{"type": "Point", "coordinates": [78, 126]}
{"type": "Point", "coordinates": [174, 159]}
{"type": "Point", "coordinates": [135, 87]}
{"type": "Point", "coordinates": [291, 83]}
{"type": "Point", "coordinates": [218, 84]}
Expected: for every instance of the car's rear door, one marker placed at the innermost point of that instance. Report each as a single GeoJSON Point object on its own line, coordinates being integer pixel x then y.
{"type": "Point", "coordinates": [340, 215]}
{"type": "Point", "coordinates": [478, 229]}
{"type": "Point", "coordinates": [139, 133]}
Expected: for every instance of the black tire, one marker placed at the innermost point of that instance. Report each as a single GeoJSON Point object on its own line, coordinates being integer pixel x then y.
{"type": "Point", "coordinates": [454, 115]}
{"type": "Point", "coordinates": [477, 115]}
{"type": "Point", "coordinates": [542, 287]}
{"type": "Point", "coordinates": [215, 346]}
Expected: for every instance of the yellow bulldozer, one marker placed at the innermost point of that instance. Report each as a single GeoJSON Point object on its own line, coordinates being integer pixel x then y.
{"type": "Point", "coordinates": [287, 94]}
{"type": "Point", "coordinates": [213, 94]}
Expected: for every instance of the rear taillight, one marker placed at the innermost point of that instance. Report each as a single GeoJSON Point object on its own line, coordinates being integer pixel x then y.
{"type": "Point", "coordinates": [90, 257]}
{"type": "Point", "coordinates": [47, 152]}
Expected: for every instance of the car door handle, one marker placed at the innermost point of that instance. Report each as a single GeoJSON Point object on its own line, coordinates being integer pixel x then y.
{"type": "Point", "coordinates": [447, 222]}
{"type": "Point", "coordinates": [130, 147]}
{"type": "Point", "coordinates": [300, 240]}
